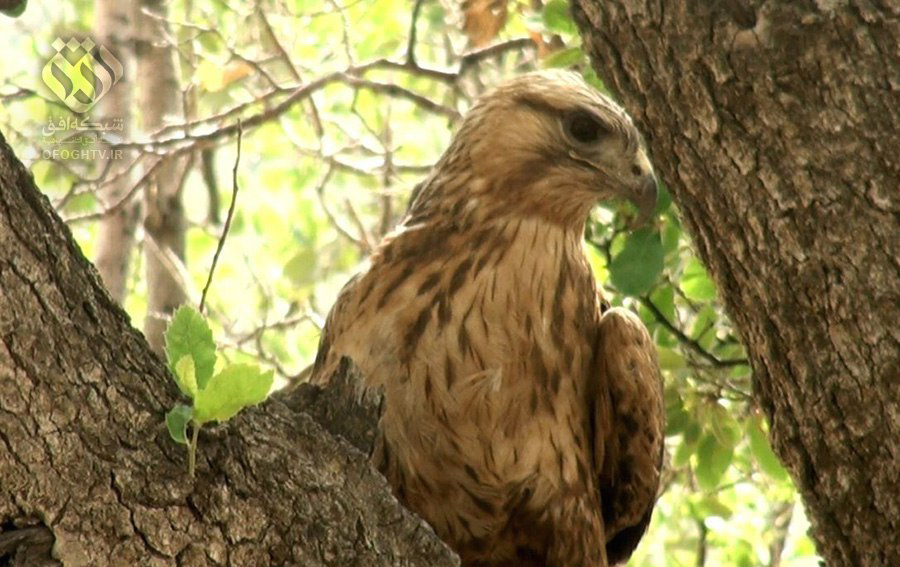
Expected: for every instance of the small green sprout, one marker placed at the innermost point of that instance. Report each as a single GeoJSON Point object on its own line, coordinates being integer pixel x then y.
{"type": "Point", "coordinates": [191, 354]}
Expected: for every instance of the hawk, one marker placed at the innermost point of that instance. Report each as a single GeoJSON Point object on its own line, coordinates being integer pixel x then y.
{"type": "Point", "coordinates": [522, 418]}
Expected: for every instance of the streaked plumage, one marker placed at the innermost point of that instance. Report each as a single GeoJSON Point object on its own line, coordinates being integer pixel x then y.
{"type": "Point", "coordinates": [523, 422]}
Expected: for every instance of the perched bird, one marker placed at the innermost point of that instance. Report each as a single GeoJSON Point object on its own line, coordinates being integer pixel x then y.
{"type": "Point", "coordinates": [521, 417]}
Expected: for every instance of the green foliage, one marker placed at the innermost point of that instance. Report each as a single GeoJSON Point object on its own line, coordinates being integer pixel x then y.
{"type": "Point", "coordinates": [713, 459]}
{"type": "Point", "coordinates": [564, 58]}
{"type": "Point", "coordinates": [185, 371]}
{"type": "Point", "coordinates": [557, 17]}
{"type": "Point", "coordinates": [635, 268]}
{"type": "Point", "coordinates": [188, 336]}
{"type": "Point", "coordinates": [177, 421]}
{"type": "Point", "coordinates": [762, 451]}
{"type": "Point", "coordinates": [228, 392]}
{"type": "Point", "coordinates": [216, 397]}
{"type": "Point", "coordinates": [695, 284]}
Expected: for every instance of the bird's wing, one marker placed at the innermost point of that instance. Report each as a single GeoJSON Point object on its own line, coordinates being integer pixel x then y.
{"type": "Point", "coordinates": [628, 429]}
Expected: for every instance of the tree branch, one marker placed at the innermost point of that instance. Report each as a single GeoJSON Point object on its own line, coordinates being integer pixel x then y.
{"type": "Point", "coordinates": [228, 219]}
{"type": "Point", "coordinates": [687, 341]}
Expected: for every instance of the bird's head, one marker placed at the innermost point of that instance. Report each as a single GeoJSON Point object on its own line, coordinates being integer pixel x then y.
{"type": "Point", "coordinates": [547, 144]}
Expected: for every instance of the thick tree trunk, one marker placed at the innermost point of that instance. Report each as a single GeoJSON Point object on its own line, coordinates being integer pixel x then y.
{"type": "Point", "coordinates": [88, 475]}
{"type": "Point", "coordinates": [776, 126]}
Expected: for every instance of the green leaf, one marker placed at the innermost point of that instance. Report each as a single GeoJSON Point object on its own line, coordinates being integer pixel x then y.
{"type": "Point", "coordinates": [176, 422]}
{"type": "Point", "coordinates": [590, 76]}
{"type": "Point", "coordinates": [557, 17]}
{"type": "Point", "coordinates": [188, 333]}
{"type": "Point", "coordinates": [671, 237]}
{"type": "Point", "coordinates": [682, 454]}
{"type": "Point", "coordinates": [669, 359]}
{"type": "Point", "coordinates": [692, 433]}
{"type": "Point", "coordinates": [724, 427]}
{"type": "Point", "coordinates": [436, 15]}
{"type": "Point", "coordinates": [713, 459]}
{"type": "Point", "coordinates": [186, 376]}
{"type": "Point", "coordinates": [635, 269]}
{"type": "Point", "coordinates": [762, 451]}
{"type": "Point", "coordinates": [703, 329]}
{"type": "Point", "coordinates": [209, 41]}
{"type": "Point", "coordinates": [695, 282]}
{"type": "Point", "coordinates": [710, 505]}
{"type": "Point", "coordinates": [598, 264]}
{"type": "Point", "coordinates": [663, 298]}
{"type": "Point", "coordinates": [677, 420]}
{"type": "Point", "coordinates": [301, 268]}
{"type": "Point", "coordinates": [663, 199]}
{"type": "Point", "coordinates": [688, 442]}
{"type": "Point", "coordinates": [231, 390]}
{"type": "Point", "coordinates": [563, 58]}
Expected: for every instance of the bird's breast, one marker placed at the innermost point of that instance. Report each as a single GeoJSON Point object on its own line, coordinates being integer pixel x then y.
{"type": "Point", "coordinates": [484, 351]}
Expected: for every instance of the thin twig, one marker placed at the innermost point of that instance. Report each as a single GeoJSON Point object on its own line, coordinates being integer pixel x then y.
{"type": "Point", "coordinates": [411, 43]}
{"type": "Point", "coordinates": [687, 341]}
{"type": "Point", "coordinates": [312, 110]}
{"type": "Point", "coordinates": [231, 207]}
{"type": "Point", "coordinates": [701, 543]}
{"type": "Point", "coordinates": [350, 76]}
{"type": "Point", "coordinates": [396, 91]}
{"type": "Point", "coordinates": [782, 513]}
{"type": "Point", "coordinates": [357, 222]}
{"type": "Point", "coordinates": [475, 57]}
{"type": "Point", "coordinates": [345, 34]}
{"type": "Point", "coordinates": [192, 449]}
{"type": "Point", "coordinates": [172, 264]}
{"type": "Point", "coordinates": [124, 199]}
{"type": "Point", "coordinates": [364, 247]}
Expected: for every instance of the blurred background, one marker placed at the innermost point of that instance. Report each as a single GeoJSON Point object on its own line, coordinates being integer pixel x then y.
{"type": "Point", "coordinates": [132, 115]}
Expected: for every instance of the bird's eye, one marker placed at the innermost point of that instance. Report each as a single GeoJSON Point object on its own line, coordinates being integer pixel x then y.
{"type": "Point", "coordinates": [582, 127]}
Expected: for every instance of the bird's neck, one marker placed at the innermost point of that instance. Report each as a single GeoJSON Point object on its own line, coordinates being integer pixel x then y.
{"type": "Point", "coordinates": [524, 247]}
{"type": "Point", "coordinates": [474, 210]}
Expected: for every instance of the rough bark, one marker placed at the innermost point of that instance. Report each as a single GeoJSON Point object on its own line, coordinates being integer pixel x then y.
{"type": "Point", "coordinates": [115, 243]}
{"type": "Point", "coordinates": [160, 100]}
{"type": "Point", "coordinates": [776, 126]}
{"type": "Point", "coordinates": [88, 475]}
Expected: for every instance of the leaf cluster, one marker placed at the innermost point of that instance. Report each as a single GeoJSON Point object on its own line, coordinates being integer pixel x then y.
{"type": "Point", "coordinates": [216, 396]}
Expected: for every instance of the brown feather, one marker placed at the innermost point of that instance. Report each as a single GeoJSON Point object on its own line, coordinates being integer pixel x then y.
{"type": "Point", "coordinates": [631, 412]}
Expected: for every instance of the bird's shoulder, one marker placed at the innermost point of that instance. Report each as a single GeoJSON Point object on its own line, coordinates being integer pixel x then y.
{"type": "Point", "coordinates": [405, 255]}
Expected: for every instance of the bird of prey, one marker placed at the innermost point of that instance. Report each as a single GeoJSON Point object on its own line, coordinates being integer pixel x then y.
{"type": "Point", "coordinates": [522, 417]}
